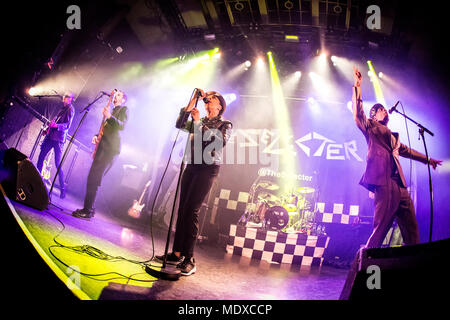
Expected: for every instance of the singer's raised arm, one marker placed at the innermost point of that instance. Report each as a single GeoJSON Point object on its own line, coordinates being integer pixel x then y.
{"type": "Point", "coordinates": [358, 111]}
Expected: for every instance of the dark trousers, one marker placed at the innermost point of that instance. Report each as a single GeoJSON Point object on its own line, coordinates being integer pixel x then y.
{"type": "Point", "coordinates": [196, 183]}
{"type": "Point", "coordinates": [57, 146]}
{"type": "Point", "coordinates": [393, 202]}
{"type": "Point", "coordinates": [102, 163]}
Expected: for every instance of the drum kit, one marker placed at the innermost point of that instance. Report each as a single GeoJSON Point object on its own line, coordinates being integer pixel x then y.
{"type": "Point", "coordinates": [290, 212]}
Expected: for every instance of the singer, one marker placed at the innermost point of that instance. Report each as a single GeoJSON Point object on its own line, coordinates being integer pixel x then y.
{"type": "Point", "coordinates": [384, 176]}
{"type": "Point", "coordinates": [207, 137]}
{"type": "Point", "coordinates": [55, 138]}
{"type": "Point", "coordinates": [108, 148]}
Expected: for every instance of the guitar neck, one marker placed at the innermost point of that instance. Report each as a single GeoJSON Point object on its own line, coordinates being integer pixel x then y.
{"type": "Point", "coordinates": [32, 110]}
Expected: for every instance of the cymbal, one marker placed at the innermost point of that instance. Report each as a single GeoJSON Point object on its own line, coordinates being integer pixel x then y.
{"type": "Point", "coordinates": [268, 185]}
{"type": "Point", "coordinates": [268, 197]}
{"type": "Point", "coordinates": [306, 190]}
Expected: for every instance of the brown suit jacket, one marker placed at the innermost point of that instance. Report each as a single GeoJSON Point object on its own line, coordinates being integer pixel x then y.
{"type": "Point", "coordinates": [384, 148]}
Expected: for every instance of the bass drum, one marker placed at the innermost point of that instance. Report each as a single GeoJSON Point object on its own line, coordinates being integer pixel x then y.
{"type": "Point", "coordinates": [276, 218]}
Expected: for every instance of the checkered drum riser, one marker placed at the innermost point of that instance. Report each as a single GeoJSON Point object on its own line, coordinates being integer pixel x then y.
{"type": "Point", "coordinates": [273, 246]}
{"type": "Point", "coordinates": [337, 215]}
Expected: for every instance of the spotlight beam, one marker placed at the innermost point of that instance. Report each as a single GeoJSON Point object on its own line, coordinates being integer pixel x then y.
{"type": "Point", "coordinates": [376, 84]}
{"type": "Point", "coordinates": [282, 118]}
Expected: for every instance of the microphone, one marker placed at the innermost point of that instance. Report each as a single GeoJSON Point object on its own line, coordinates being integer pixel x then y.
{"type": "Point", "coordinates": [106, 93]}
{"type": "Point", "coordinates": [394, 107]}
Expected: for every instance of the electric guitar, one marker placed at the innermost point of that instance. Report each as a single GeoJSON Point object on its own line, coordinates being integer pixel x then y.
{"type": "Point", "coordinates": [102, 126]}
{"type": "Point", "coordinates": [47, 167]}
{"type": "Point", "coordinates": [136, 208]}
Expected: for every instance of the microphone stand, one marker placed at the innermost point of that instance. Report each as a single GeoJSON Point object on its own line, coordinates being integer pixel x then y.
{"type": "Point", "coordinates": [170, 272]}
{"type": "Point", "coordinates": [422, 131]}
{"type": "Point", "coordinates": [86, 109]}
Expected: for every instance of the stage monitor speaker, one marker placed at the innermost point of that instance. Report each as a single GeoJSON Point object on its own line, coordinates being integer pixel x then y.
{"type": "Point", "coordinates": [408, 272]}
{"type": "Point", "coordinates": [22, 181]}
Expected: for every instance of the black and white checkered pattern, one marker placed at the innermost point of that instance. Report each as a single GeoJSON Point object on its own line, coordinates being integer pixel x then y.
{"type": "Point", "coordinates": [227, 199]}
{"type": "Point", "coordinates": [274, 246]}
{"type": "Point", "coordinates": [337, 215]}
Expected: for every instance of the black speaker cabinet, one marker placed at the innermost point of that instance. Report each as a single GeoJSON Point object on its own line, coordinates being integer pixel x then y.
{"type": "Point", "coordinates": [22, 181]}
{"type": "Point", "coordinates": [408, 272]}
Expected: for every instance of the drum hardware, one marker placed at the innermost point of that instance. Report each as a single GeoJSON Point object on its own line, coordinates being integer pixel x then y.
{"type": "Point", "coordinates": [268, 185]}
{"type": "Point", "coordinates": [306, 190]}
{"type": "Point", "coordinates": [267, 197]}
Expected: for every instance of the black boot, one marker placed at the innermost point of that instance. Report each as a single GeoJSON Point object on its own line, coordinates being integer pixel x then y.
{"type": "Point", "coordinates": [84, 213]}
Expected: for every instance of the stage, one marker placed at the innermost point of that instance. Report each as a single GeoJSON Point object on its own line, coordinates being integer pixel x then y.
{"type": "Point", "coordinates": [219, 276]}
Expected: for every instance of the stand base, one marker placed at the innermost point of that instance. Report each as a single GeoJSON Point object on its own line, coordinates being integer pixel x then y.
{"type": "Point", "coordinates": [167, 273]}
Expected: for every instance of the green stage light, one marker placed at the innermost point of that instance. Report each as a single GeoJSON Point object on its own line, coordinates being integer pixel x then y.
{"type": "Point", "coordinates": [376, 84]}
{"type": "Point", "coordinates": [282, 118]}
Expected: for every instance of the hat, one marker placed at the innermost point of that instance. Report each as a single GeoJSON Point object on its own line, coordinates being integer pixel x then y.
{"type": "Point", "coordinates": [374, 109]}
{"type": "Point", "coordinates": [221, 99]}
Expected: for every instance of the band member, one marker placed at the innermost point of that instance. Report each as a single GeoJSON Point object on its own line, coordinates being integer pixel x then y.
{"type": "Point", "coordinates": [207, 137]}
{"type": "Point", "coordinates": [108, 148]}
{"type": "Point", "coordinates": [384, 176]}
{"type": "Point", "coordinates": [56, 137]}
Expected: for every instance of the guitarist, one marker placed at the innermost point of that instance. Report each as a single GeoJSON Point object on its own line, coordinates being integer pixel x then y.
{"type": "Point", "coordinates": [108, 148]}
{"type": "Point", "coordinates": [56, 136]}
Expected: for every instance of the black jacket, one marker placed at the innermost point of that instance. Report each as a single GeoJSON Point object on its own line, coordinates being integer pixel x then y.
{"type": "Point", "coordinates": [63, 121]}
{"type": "Point", "coordinates": [111, 137]}
{"type": "Point", "coordinates": [207, 138]}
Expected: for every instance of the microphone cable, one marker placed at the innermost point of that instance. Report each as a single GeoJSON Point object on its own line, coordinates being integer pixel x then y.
{"type": "Point", "coordinates": [409, 144]}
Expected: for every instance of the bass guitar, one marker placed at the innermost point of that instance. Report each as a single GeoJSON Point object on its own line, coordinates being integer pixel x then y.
{"type": "Point", "coordinates": [102, 126]}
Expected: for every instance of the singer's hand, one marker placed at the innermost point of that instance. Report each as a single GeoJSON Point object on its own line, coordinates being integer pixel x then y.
{"type": "Point", "coordinates": [435, 163]}
{"type": "Point", "coordinates": [195, 114]}
{"type": "Point", "coordinates": [191, 104]}
{"type": "Point", "coordinates": [94, 140]}
{"type": "Point", "coordinates": [106, 113]}
{"type": "Point", "coordinates": [202, 93]}
{"type": "Point", "coordinates": [357, 76]}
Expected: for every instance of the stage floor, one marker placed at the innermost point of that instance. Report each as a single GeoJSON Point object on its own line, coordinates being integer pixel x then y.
{"type": "Point", "coordinates": [92, 247]}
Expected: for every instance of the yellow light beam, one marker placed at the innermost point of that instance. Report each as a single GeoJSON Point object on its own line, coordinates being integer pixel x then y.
{"type": "Point", "coordinates": [287, 156]}
{"type": "Point", "coordinates": [376, 84]}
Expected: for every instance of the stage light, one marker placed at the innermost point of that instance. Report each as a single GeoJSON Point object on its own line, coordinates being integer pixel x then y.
{"type": "Point", "coordinates": [209, 37]}
{"type": "Point", "coordinates": [229, 98]}
{"type": "Point", "coordinates": [291, 38]}
{"type": "Point", "coordinates": [333, 58]}
{"type": "Point", "coordinates": [380, 75]}
{"type": "Point", "coordinates": [248, 64]}
{"type": "Point", "coordinates": [298, 74]}
{"type": "Point", "coordinates": [260, 62]}
{"type": "Point", "coordinates": [313, 105]}
{"type": "Point", "coordinates": [32, 91]}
